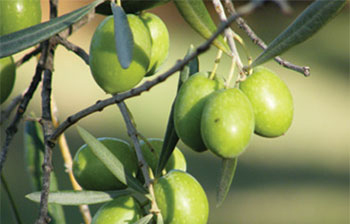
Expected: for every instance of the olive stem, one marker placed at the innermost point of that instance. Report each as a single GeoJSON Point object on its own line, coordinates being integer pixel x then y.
{"type": "Point", "coordinates": [74, 48]}
{"type": "Point", "coordinates": [143, 164]}
{"type": "Point", "coordinates": [216, 63]}
{"type": "Point", "coordinates": [28, 56]}
{"type": "Point", "coordinates": [305, 70]}
{"type": "Point", "coordinates": [119, 3]}
{"type": "Point", "coordinates": [228, 33]}
{"type": "Point", "coordinates": [68, 161]}
{"type": "Point", "coordinates": [231, 73]}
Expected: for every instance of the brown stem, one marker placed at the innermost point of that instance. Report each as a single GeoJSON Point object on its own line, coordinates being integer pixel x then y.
{"type": "Point", "coordinates": [305, 70]}
{"type": "Point", "coordinates": [74, 48]}
{"type": "Point", "coordinates": [143, 164]}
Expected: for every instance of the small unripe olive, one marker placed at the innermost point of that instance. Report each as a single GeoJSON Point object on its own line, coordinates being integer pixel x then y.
{"type": "Point", "coordinates": [104, 63]}
{"type": "Point", "coordinates": [160, 41]}
{"type": "Point", "coordinates": [188, 108]}
{"type": "Point", "coordinates": [7, 77]}
{"type": "Point", "coordinates": [92, 174]}
{"type": "Point", "coordinates": [271, 100]}
{"type": "Point", "coordinates": [181, 199]}
{"type": "Point", "coordinates": [122, 210]}
{"type": "Point", "coordinates": [227, 122]}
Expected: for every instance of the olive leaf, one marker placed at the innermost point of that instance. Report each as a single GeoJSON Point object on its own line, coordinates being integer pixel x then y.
{"type": "Point", "coordinates": [34, 157]}
{"type": "Point", "coordinates": [227, 173]}
{"type": "Point", "coordinates": [145, 220]}
{"type": "Point", "coordinates": [171, 138]}
{"type": "Point", "coordinates": [130, 6]}
{"type": "Point", "coordinates": [22, 39]}
{"type": "Point", "coordinates": [197, 16]}
{"type": "Point", "coordinates": [312, 19]}
{"type": "Point", "coordinates": [71, 197]}
{"type": "Point", "coordinates": [124, 41]}
{"type": "Point", "coordinates": [111, 162]}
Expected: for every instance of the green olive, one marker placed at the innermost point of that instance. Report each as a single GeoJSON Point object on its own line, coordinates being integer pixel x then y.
{"type": "Point", "coordinates": [188, 108]}
{"type": "Point", "coordinates": [92, 174]}
{"type": "Point", "coordinates": [151, 155]}
{"type": "Point", "coordinates": [160, 41]}
{"type": "Point", "coordinates": [227, 123]}
{"type": "Point", "coordinates": [7, 77]}
{"type": "Point", "coordinates": [122, 210]}
{"type": "Point", "coordinates": [18, 14]}
{"type": "Point", "coordinates": [104, 63]}
{"type": "Point", "coordinates": [181, 199]}
{"type": "Point", "coordinates": [272, 102]}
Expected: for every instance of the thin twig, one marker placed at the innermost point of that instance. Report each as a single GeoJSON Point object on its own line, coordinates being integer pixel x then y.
{"type": "Point", "coordinates": [8, 110]}
{"type": "Point", "coordinates": [46, 122]}
{"type": "Point", "coordinates": [143, 164]}
{"type": "Point", "coordinates": [12, 128]}
{"type": "Point", "coordinates": [228, 34]}
{"type": "Point", "coordinates": [68, 162]}
{"type": "Point", "coordinates": [28, 56]}
{"type": "Point", "coordinates": [74, 48]}
{"type": "Point", "coordinates": [305, 70]}
{"type": "Point", "coordinates": [100, 105]}
{"type": "Point", "coordinates": [12, 201]}
{"type": "Point", "coordinates": [46, 119]}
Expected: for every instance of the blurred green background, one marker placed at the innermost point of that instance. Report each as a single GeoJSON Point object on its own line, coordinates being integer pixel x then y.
{"type": "Point", "coordinates": [302, 177]}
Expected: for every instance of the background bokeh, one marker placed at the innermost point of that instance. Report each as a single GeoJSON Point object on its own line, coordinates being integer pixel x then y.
{"type": "Point", "coordinates": [302, 177]}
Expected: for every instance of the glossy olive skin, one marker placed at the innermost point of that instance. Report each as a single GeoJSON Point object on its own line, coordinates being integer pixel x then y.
{"type": "Point", "coordinates": [7, 77]}
{"type": "Point", "coordinates": [104, 63]}
{"type": "Point", "coordinates": [176, 160]}
{"type": "Point", "coordinates": [227, 123]}
{"type": "Point", "coordinates": [122, 210]}
{"type": "Point", "coordinates": [90, 172]}
{"type": "Point", "coordinates": [18, 14]}
{"type": "Point", "coordinates": [160, 41]}
{"type": "Point", "coordinates": [181, 199]}
{"type": "Point", "coordinates": [188, 108]}
{"type": "Point", "coordinates": [271, 100]}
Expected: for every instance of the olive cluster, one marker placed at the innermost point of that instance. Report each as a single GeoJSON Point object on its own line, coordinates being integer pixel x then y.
{"type": "Point", "coordinates": [208, 116]}
{"type": "Point", "coordinates": [179, 196]}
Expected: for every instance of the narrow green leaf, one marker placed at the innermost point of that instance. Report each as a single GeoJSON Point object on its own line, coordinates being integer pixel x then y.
{"type": "Point", "coordinates": [110, 161]}
{"type": "Point", "coordinates": [171, 138]}
{"type": "Point", "coordinates": [34, 156]}
{"type": "Point", "coordinates": [22, 39]}
{"type": "Point", "coordinates": [70, 197]}
{"type": "Point", "coordinates": [227, 173]}
{"type": "Point", "coordinates": [306, 24]}
{"type": "Point", "coordinates": [197, 16]}
{"type": "Point", "coordinates": [130, 6]}
{"type": "Point", "coordinates": [145, 220]}
{"type": "Point", "coordinates": [124, 42]}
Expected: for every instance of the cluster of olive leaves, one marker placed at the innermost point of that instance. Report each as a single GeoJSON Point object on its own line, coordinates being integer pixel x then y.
{"type": "Point", "coordinates": [202, 129]}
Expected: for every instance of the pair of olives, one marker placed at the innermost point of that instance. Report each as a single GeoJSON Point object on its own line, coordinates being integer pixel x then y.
{"type": "Point", "coordinates": [206, 116]}
{"type": "Point", "coordinates": [179, 196]}
{"type": "Point", "coordinates": [14, 15]}
{"type": "Point", "coordinates": [151, 46]}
